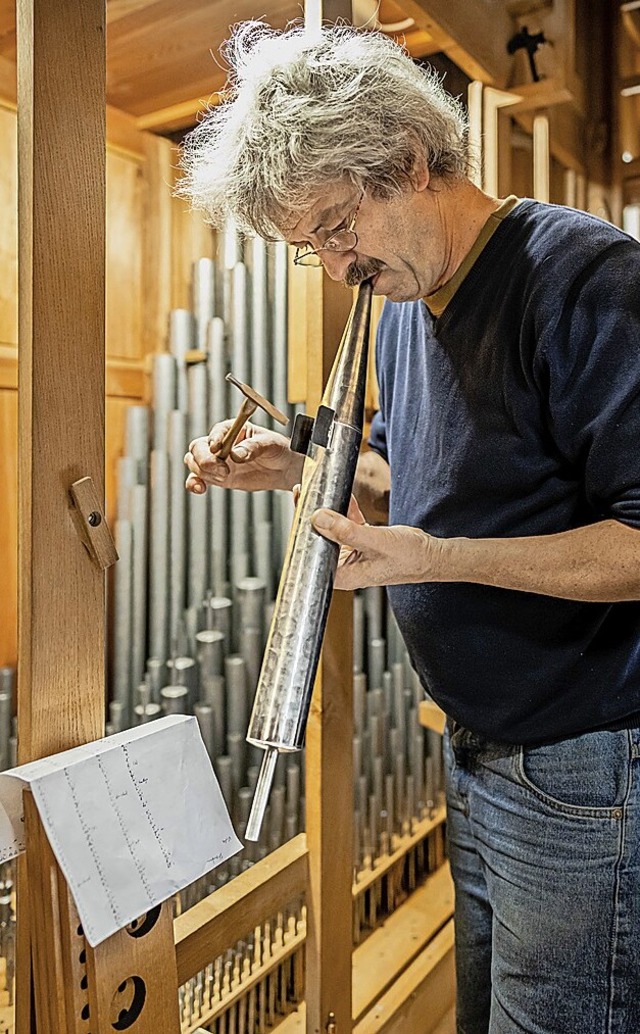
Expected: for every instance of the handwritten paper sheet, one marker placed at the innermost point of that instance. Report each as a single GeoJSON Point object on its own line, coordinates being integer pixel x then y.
{"type": "Point", "coordinates": [132, 819]}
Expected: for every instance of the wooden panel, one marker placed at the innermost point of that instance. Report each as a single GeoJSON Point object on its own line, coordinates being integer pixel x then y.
{"type": "Point", "coordinates": [124, 239]}
{"type": "Point", "coordinates": [9, 232]}
{"type": "Point", "coordinates": [9, 525]}
{"type": "Point", "coordinates": [124, 257]}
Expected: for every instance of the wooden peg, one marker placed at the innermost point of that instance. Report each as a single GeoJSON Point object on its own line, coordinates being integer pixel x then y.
{"type": "Point", "coordinates": [91, 523]}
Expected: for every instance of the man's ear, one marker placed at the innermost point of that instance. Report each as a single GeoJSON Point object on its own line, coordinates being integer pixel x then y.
{"type": "Point", "coordinates": [420, 175]}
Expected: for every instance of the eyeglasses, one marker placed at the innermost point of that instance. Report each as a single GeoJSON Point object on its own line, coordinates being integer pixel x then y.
{"type": "Point", "coordinates": [339, 242]}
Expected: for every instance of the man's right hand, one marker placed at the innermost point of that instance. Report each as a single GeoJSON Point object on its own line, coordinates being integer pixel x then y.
{"type": "Point", "coordinates": [260, 459]}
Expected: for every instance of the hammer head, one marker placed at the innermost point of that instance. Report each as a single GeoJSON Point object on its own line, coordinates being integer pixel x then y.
{"type": "Point", "coordinates": [259, 399]}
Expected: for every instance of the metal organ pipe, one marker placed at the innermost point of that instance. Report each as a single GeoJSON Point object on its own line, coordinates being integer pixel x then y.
{"type": "Point", "coordinates": [194, 641]}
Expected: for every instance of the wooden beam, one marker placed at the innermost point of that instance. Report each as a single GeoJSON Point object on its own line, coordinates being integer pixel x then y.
{"type": "Point", "coordinates": [123, 379]}
{"type": "Point", "coordinates": [176, 116]}
{"type": "Point", "coordinates": [208, 928]}
{"type": "Point", "coordinates": [477, 43]}
{"type": "Point", "coordinates": [61, 218]}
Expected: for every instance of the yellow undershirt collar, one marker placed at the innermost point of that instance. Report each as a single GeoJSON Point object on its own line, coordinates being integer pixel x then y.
{"type": "Point", "coordinates": [438, 301]}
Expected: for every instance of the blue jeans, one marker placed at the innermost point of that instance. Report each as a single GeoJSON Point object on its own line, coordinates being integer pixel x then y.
{"type": "Point", "coordinates": [545, 854]}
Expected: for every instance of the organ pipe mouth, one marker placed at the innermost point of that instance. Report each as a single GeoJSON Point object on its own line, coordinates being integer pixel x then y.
{"type": "Point", "coordinates": [261, 795]}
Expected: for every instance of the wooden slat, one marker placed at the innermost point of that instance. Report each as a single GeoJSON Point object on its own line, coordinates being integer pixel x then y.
{"type": "Point", "coordinates": [401, 939]}
{"type": "Point", "coordinates": [206, 930]}
{"type": "Point", "coordinates": [368, 877]}
{"type": "Point", "coordinates": [421, 997]}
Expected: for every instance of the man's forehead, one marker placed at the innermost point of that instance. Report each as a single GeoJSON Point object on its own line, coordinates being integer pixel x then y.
{"type": "Point", "coordinates": [319, 213]}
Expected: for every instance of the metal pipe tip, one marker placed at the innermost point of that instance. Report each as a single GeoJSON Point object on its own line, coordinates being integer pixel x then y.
{"type": "Point", "coordinates": [261, 795]}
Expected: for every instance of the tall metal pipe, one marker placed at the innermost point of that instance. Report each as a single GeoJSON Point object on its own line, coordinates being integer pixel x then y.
{"type": "Point", "coordinates": [123, 599]}
{"type": "Point", "coordinates": [137, 439]}
{"type": "Point", "coordinates": [159, 559]}
{"type": "Point", "coordinates": [283, 697]}
{"type": "Point", "coordinates": [181, 340]}
{"type": "Point", "coordinates": [164, 395]}
{"type": "Point", "coordinates": [260, 356]}
{"type": "Point", "coordinates": [178, 442]}
{"type": "Point", "coordinates": [138, 501]}
{"type": "Point", "coordinates": [204, 298]}
{"type": "Point", "coordinates": [218, 499]}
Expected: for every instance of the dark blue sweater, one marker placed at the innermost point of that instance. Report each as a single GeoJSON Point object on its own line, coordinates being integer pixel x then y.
{"type": "Point", "coordinates": [517, 412]}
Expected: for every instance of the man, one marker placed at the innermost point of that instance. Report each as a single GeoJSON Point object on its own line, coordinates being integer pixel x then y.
{"type": "Point", "coordinates": [509, 369]}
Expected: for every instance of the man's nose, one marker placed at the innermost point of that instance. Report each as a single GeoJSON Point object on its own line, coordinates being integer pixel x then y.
{"type": "Point", "coordinates": [336, 263]}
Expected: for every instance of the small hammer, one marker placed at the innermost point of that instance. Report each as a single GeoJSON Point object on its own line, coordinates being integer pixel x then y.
{"type": "Point", "coordinates": [252, 401]}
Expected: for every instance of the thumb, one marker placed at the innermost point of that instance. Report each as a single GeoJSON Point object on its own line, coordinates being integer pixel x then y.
{"type": "Point", "coordinates": [336, 528]}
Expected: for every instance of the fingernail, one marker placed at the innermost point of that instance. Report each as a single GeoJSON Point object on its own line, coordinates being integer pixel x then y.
{"type": "Point", "coordinates": [240, 453]}
{"type": "Point", "coordinates": [198, 488]}
{"type": "Point", "coordinates": [321, 519]}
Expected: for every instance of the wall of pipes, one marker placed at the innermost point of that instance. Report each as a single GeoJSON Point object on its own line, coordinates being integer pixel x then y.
{"type": "Point", "coordinates": [191, 601]}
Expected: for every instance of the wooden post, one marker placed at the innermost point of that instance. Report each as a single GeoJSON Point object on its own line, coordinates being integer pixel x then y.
{"type": "Point", "coordinates": [329, 773]}
{"type": "Point", "coordinates": [61, 168]}
{"type": "Point", "coordinates": [541, 158]}
{"type": "Point", "coordinates": [495, 140]}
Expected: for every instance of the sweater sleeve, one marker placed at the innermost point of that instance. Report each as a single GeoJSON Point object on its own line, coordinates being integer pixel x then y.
{"type": "Point", "coordinates": [592, 355]}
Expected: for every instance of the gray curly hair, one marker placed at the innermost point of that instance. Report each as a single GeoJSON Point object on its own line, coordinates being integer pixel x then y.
{"type": "Point", "coordinates": [301, 111]}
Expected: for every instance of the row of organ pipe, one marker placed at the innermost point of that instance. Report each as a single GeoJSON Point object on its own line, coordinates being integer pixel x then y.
{"type": "Point", "coordinates": [193, 592]}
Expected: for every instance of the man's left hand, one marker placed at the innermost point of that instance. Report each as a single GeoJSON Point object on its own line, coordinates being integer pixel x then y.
{"type": "Point", "coordinates": [369, 555]}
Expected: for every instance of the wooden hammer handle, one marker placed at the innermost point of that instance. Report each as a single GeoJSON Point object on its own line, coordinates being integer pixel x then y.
{"type": "Point", "coordinates": [246, 410]}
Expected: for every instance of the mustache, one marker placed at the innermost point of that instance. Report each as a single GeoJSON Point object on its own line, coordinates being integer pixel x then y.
{"type": "Point", "coordinates": [359, 271]}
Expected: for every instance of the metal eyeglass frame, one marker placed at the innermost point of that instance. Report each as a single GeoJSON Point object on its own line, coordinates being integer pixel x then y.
{"type": "Point", "coordinates": [339, 243]}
